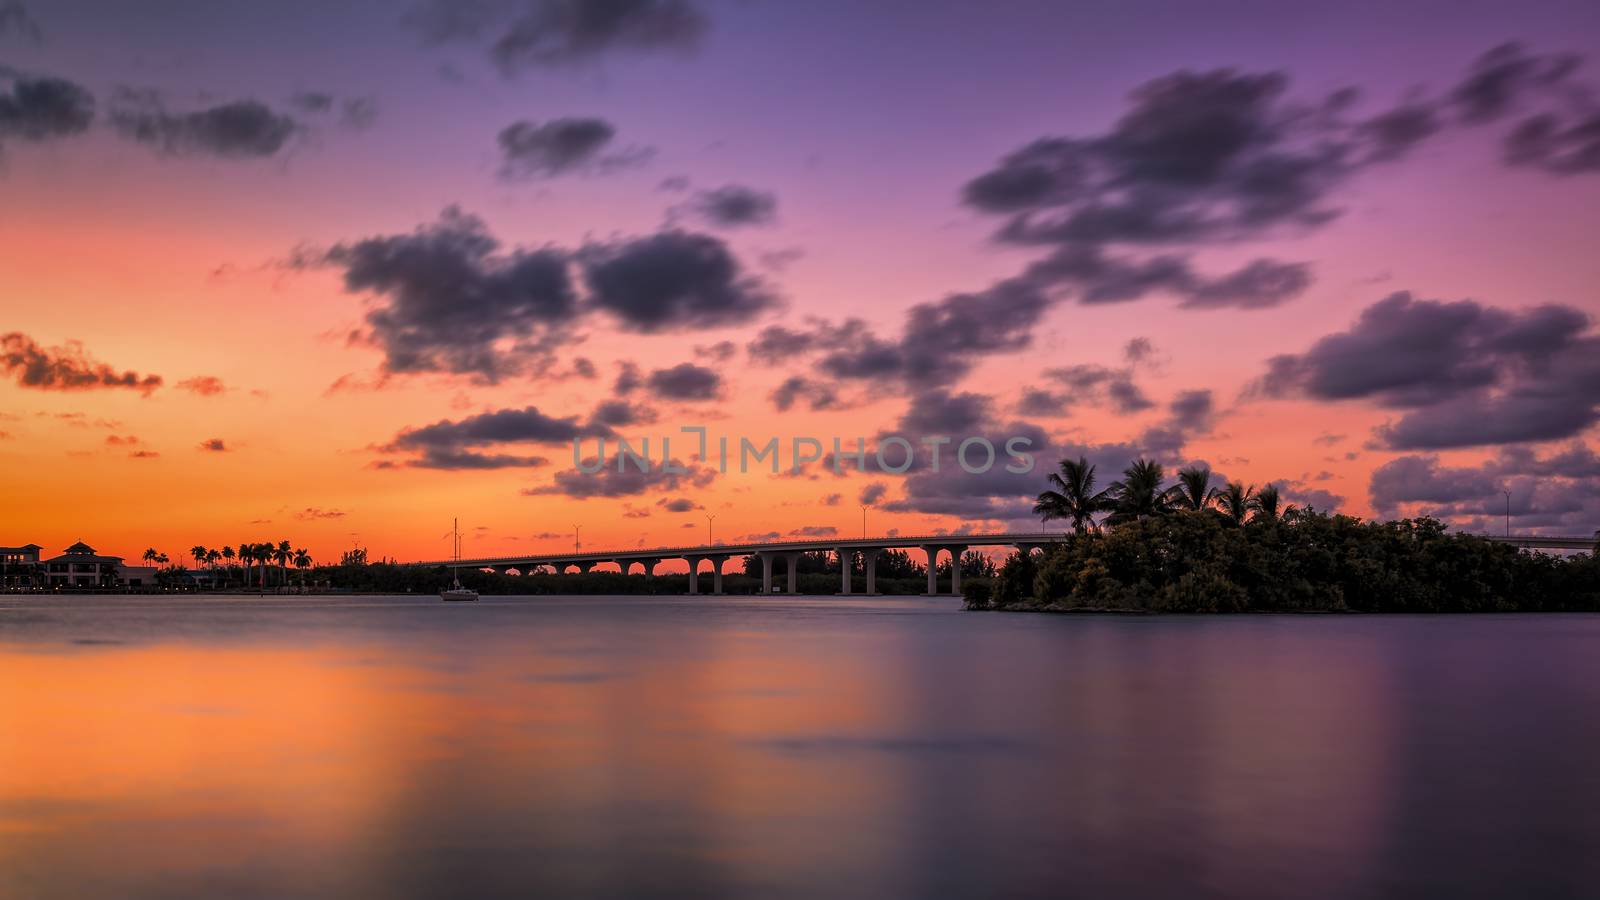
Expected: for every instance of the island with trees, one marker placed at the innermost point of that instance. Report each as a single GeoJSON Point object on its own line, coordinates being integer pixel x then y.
{"type": "Point", "coordinates": [1141, 545]}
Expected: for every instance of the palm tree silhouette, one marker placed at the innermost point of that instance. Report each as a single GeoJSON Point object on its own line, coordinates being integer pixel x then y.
{"type": "Point", "coordinates": [1193, 490]}
{"type": "Point", "coordinates": [302, 561]}
{"type": "Point", "coordinates": [1074, 497]}
{"type": "Point", "coordinates": [1139, 495]}
{"type": "Point", "coordinates": [199, 554]}
{"type": "Point", "coordinates": [283, 553]}
{"type": "Point", "coordinates": [1266, 505]}
{"type": "Point", "coordinates": [150, 555]}
{"type": "Point", "coordinates": [1236, 500]}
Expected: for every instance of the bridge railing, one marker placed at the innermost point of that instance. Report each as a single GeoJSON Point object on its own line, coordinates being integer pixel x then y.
{"type": "Point", "coordinates": [744, 547]}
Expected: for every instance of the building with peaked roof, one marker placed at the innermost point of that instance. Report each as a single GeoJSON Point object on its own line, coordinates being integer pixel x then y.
{"type": "Point", "coordinates": [19, 566]}
{"type": "Point", "coordinates": [81, 566]}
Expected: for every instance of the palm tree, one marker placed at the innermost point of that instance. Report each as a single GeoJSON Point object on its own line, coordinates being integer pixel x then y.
{"type": "Point", "coordinates": [212, 556]}
{"type": "Point", "coordinates": [1138, 495]}
{"type": "Point", "coordinates": [199, 554]}
{"type": "Point", "coordinates": [1266, 504]}
{"type": "Point", "coordinates": [1074, 497]}
{"type": "Point", "coordinates": [302, 561]}
{"type": "Point", "coordinates": [1193, 490]}
{"type": "Point", "coordinates": [150, 555]}
{"type": "Point", "coordinates": [1236, 500]}
{"type": "Point", "coordinates": [283, 553]}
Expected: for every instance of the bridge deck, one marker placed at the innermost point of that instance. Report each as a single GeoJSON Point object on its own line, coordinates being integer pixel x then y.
{"type": "Point", "coordinates": [885, 542]}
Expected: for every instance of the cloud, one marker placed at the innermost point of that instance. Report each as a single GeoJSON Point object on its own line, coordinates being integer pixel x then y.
{"type": "Point", "coordinates": [1463, 373]}
{"type": "Point", "coordinates": [734, 206]}
{"type": "Point", "coordinates": [1200, 158]}
{"type": "Point", "coordinates": [673, 280]}
{"type": "Point", "coordinates": [872, 493]}
{"type": "Point", "coordinates": [15, 19]}
{"type": "Point", "coordinates": [816, 394]}
{"type": "Point", "coordinates": [1101, 385]}
{"type": "Point", "coordinates": [213, 445]}
{"type": "Point", "coordinates": [622, 414]}
{"type": "Point", "coordinates": [117, 440]}
{"type": "Point", "coordinates": [622, 478]}
{"type": "Point", "coordinates": [354, 112]}
{"type": "Point", "coordinates": [67, 368]}
{"type": "Point", "coordinates": [236, 130]}
{"type": "Point", "coordinates": [452, 302]}
{"type": "Point", "coordinates": [457, 444]}
{"type": "Point", "coordinates": [203, 385]}
{"type": "Point", "coordinates": [815, 531]}
{"type": "Point", "coordinates": [41, 108]}
{"type": "Point", "coordinates": [685, 381]}
{"type": "Point", "coordinates": [678, 505]}
{"type": "Point", "coordinates": [553, 33]}
{"type": "Point", "coordinates": [562, 146]}
{"type": "Point", "coordinates": [312, 513]}
{"type": "Point", "coordinates": [1556, 494]}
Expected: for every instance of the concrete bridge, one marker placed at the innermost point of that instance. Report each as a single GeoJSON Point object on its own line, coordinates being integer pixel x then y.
{"type": "Point", "coordinates": [770, 553]}
{"type": "Point", "coordinates": [789, 552]}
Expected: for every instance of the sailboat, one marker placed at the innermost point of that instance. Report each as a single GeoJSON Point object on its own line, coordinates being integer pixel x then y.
{"type": "Point", "coordinates": [455, 591]}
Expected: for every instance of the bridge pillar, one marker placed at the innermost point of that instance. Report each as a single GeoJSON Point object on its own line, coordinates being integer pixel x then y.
{"type": "Point", "coordinates": [793, 559]}
{"type": "Point", "coordinates": [766, 572]}
{"type": "Point", "coordinates": [844, 569]}
{"type": "Point", "coordinates": [694, 573]}
{"type": "Point", "coordinates": [649, 566]}
{"type": "Point", "coordinates": [933, 569]}
{"type": "Point", "coordinates": [716, 573]}
{"type": "Point", "coordinates": [871, 558]}
{"type": "Point", "coordinates": [955, 569]}
{"type": "Point", "coordinates": [584, 567]}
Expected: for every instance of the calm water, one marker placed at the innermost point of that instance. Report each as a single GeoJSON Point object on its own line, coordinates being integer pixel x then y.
{"type": "Point", "coordinates": [401, 747]}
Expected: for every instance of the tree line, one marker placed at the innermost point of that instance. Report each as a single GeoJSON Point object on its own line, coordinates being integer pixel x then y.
{"type": "Point", "coordinates": [1143, 545]}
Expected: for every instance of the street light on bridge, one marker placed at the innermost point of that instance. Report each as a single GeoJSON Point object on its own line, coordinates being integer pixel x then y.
{"type": "Point", "coordinates": [576, 546]}
{"type": "Point", "coordinates": [709, 519]}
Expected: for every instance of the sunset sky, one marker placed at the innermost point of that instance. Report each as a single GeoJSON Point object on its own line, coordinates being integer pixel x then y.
{"type": "Point", "coordinates": [340, 272]}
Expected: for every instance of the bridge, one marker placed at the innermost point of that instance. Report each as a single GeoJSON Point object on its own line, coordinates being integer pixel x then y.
{"type": "Point", "coordinates": [789, 552]}
{"type": "Point", "coordinates": [770, 553]}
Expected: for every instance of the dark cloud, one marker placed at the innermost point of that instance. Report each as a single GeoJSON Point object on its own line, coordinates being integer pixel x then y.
{"type": "Point", "coordinates": [1193, 411]}
{"type": "Point", "coordinates": [458, 444]}
{"type": "Point", "coordinates": [872, 493]}
{"type": "Point", "coordinates": [1555, 145]}
{"type": "Point", "coordinates": [622, 414]}
{"type": "Point", "coordinates": [1261, 283]}
{"type": "Point", "coordinates": [778, 344]}
{"type": "Point", "coordinates": [673, 280]}
{"type": "Point", "coordinates": [733, 206]}
{"type": "Point", "coordinates": [545, 33]}
{"type": "Point", "coordinates": [816, 394]}
{"type": "Point", "coordinates": [721, 351]}
{"type": "Point", "coordinates": [685, 381]}
{"type": "Point", "coordinates": [354, 112]}
{"type": "Point", "coordinates": [1500, 79]}
{"type": "Point", "coordinates": [678, 505]}
{"type": "Point", "coordinates": [1465, 374]}
{"type": "Point", "coordinates": [1138, 350]}
{"type": "Point", "coordinates": [1222, 155]}
{"type": "Point", "coordinates": [452, 302]}
{"type": "Point", "coordinates": [67, 368]}
{"type": "Point", "coordinates": [1043, 403]}
{"type": "Point", "coordinates": [15, 19]}
{"type": "Point", "coordinates": [40, 108]}
{"type": "Point", "coordinates": [240, 129]}
{"type": "Point", "coordinates": [1101, 385]}
{"type": "Point", "coordinates": [562, 146]}
{"type": "Point", "coordinates": [620, 478]}
{"type": "Point", "coordinates": [1556, 493]}
{"type": "Point", "coordinates": [214, 445]}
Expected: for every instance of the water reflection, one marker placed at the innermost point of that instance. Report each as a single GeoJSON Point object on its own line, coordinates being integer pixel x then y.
{"type": "Point", "coordinates": [360, 747]}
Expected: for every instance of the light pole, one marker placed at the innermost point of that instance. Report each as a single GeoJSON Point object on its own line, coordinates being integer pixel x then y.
{"type": "Point", "coordinates": [863, 522]}
{"type": "Point", "coordinates": [1508, 512]}
{"type": "Point", "coordinates": [709, 519]}
{"type": "Point", "coordinates": [576, 547]}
